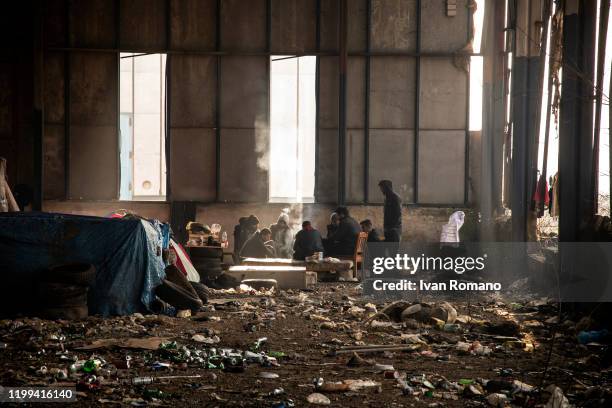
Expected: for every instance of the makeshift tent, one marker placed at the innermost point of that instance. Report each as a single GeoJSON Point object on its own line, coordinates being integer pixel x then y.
{"type": "Point", "coordinates": [126, 253]}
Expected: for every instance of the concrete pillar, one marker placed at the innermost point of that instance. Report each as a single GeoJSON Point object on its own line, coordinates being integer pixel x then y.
{"type": "Point", "coordinates": [525, 104]}
{"type": "Point", "coordinates": [576, 117]}
{"type": "Point", "coordinates": [493, 115]}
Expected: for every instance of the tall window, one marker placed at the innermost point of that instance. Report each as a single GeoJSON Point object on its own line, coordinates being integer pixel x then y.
{"type": "Point", "coordinates": [142, 126]}
{"type": "Point", "coordinates": [292, 128]}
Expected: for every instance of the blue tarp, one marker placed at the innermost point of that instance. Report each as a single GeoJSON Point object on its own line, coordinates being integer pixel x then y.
{"type": "Point", "coordinates": [125, 252]}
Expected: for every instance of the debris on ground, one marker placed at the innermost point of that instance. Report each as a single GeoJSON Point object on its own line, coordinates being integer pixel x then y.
{"type": "Point", "coordinates": [327, 346]}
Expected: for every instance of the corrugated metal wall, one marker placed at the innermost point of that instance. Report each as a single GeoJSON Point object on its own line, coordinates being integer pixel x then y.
{"type": "Point", "coordinates": [406, 98]}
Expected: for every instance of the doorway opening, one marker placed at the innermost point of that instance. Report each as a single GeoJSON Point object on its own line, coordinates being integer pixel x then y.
{"type": "Point", "coordinates": [292, 128]}
{"type": "Point", "coordinates": [142, 126]}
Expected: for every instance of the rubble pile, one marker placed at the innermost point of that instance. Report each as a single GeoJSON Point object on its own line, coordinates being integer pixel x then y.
{"type": "Point", "coordinates": [330, 346]}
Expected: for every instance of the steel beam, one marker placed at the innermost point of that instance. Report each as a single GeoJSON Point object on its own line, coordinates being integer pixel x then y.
{"type": "Point", "coordinates": [366, 130]}
{"type": "Point", "coordinates": [67, 75]}
{"type": "Point", "coordinates": [417, 105]}
{"type": "Point", "coordinates": [218, 105]}
{"type": "Point", "coordinates": [342, 64]}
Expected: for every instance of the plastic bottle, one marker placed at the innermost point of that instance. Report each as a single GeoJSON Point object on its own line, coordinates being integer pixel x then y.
{"type": "Point", "coordinates": [91, 365]}
{"type": "Point", "coordinates": [142, 380]}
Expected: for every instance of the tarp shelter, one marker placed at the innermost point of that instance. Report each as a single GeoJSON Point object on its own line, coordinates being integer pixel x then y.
{"type": "Point", "coordinates": [126, 253]}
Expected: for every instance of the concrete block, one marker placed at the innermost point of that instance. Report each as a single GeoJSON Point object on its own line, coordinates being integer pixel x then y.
{"type": "Point", "coordinates": [357, 25]}
{"type": "Point", "coordinates": [355, 92]}
{"type": "Point", "coordinates": [54, 16]}
{"type": "Point", "coordinates": [243, 27]}
{"type": "Point", "coordinates": [443, 95]}
{"type": "Point", "coordinates": [93, 89]}
{"type": "Point", "coordinates": [93, 162]}
{"type": "Point", "coordinates": [193, 24]}
{"type": "Point", "coordinates": [54, 87]}
{"type": "Point", "coordinates": [450, 34]}
{"type": "Point", "coordinates": [329, 25]}
{"type": "Point", "coordinates": [394, 25]}
{"type": "Point", "coordinates": [392, 92]}
{"type": "Point", "coordinates": [441, 166]}
{"type": "Point", "coordinates": [90, 22]}
{"type": "Point", "coordinates": [328, 92]}
{"type": "Point", "coordinates": [143, 24]}
{"type": "Point", "coordinates": [294, 25]}
{"type": "Point", "coordinates": [244, 165]}
{"type": "Point", "coordinates": [327, 182]}
{"type": "Point", "coordinates": [193, 164]}
{"type": "Point", "coordinates": [287, 277]}
{"type": "Point", "coordinates": [475, 174]}
{"type": "Point", "coordinates": [193, 86]}
{"type": "Point", "coordinates": [244, 92]}
{"type": "Point", "coordinates": [6, 100]}
{"type": "Point", "coordinates": [392, 158]}
{"type": "Point", "coordinates": [355, 143]}
{"type": "Point", "coordinates": [53, 162]}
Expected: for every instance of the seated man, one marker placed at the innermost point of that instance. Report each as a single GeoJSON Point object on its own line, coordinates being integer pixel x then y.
{"type": "Point", "coordinates": [259, 245]}
{"type": "Point", "coordinates": [366, 226]}
{"type": "Point", "coordinates": [344, 240]}
{"type": "Point", "coordinates": [332, 227]}
{"type": "Point", "coordinates": [307, 242]}
{"type": "Point", "coordinates": [247, 226]}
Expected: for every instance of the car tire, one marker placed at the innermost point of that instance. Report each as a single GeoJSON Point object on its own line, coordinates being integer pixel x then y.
{"type": "Point", "coordinates": [177, 296]}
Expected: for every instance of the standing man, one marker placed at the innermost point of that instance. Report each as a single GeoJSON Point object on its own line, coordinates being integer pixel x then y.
{"type": "Point", "coordinates": [392, 212]}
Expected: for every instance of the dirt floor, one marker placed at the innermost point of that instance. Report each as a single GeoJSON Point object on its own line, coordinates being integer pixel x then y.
{"type": "Point", "coordinates": [497, 353]}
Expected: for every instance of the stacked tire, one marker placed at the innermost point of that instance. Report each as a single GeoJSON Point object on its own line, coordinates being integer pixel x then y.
{"type": "Point", "coordinates": [207, 261]}
{"type": "Point", "coordinates": [63, 290]}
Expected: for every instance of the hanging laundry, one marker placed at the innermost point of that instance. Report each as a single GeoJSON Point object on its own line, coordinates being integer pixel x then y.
{"type": "Point", "coordinates": [554, 202]}
{"type": "Point", "coordinates": [541, 195]}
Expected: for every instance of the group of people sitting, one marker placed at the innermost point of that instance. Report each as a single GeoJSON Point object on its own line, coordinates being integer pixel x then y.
{"type": "Point", "coordinates": [277, 241]}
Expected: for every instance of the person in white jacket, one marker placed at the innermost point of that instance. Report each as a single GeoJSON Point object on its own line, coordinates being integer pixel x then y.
{"type": "Point", "coordinates": [282, 236]}
{"type": "Point", "coordinates": [450, 231]}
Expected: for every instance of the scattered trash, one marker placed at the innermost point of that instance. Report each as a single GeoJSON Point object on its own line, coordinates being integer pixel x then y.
{"type": "Point", "coordinates": [207, 340]}
{"type": "Point", "coordinates": [557, 398]}
{"type": "Point", "coordinates": [497, 400]}
{"type": "Point", "coordinates": [150, 343]}
{"type": "Point", "coordinates": [318, 399]}
{"type": "Point", "coordinates": [594, 336]}
{"type": "Point", "coordinates": [469, 353]}
{"type": "Point", "coordinates": [267, 375]}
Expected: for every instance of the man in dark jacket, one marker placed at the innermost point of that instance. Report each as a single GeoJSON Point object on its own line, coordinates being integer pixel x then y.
{"type": "Point", "coordinates": [259, 245]}
{"type": "Point", "coordinates": [344, 240]}
{"type": "Point", "coordinates": [392, 212]}
{"type": "Point", "coordinates": [366, 226]}
{"type": "Point", "coordinates": [247, 226]}
{"type": "Point", "coordinates": [307, 242]}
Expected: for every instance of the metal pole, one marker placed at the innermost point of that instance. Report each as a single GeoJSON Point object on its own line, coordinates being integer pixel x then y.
{"type": "Point", "coordinates": [366, 131]}
{"type": "Point", "coordinates": [604, 10]}
{"type": "Point", "coordinates": [417, 105]}
{"type": "Point", "coordinates": [67, 74]}
{"type": "Point", "coordinates": [540, 90]}
{"type": "Point", "coordinates": [342, 62]}
{"type": "Point", "coordinates": [548, 111]}
{"type": "Point", "coordinates": [218, 105]}
{"type": "Point", "coordinates": [317, 93]}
